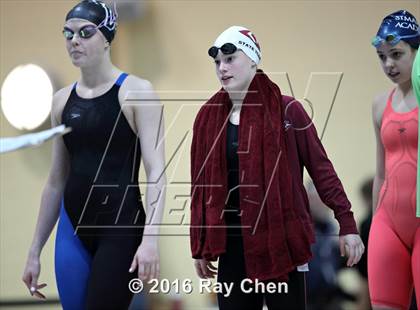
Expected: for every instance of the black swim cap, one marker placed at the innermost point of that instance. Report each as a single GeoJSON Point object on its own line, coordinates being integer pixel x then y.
{"type": "Point", "coordinates": [98, 13]}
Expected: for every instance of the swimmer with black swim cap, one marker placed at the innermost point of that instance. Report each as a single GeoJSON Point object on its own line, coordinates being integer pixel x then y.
{"type": "Point", "coordinates": [97, 13]}
{"type": "Point", "coordinates": [84, 43]}
{"type": "Point", "coordinates": [102, 241]}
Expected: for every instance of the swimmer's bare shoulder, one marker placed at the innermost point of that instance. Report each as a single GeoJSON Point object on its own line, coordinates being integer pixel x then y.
{"type": "Point", "coordinates": [378, 108]}
{"type": "Point", "coordinates": [137, 88]}
{"type": "Point", "coordinates": [59, 101]}
{"type": "Point", "coordinates": [136, 97]}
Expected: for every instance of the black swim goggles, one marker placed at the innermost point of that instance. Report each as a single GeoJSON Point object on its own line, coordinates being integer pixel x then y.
{"type": "Point", "coordinates": [226, 49]}
{"type": "Point", "coordinates": [85, 32]}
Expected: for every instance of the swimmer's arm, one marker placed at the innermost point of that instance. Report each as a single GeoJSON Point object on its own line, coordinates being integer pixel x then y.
{"type": "Point", "coordinates": [54, 188]}
{"type": "Point", "coordinates": [378, 108]}
{"type": "Point", "coordinates": [315, 159]}
{"type": "Point", "coordinates": [147, 112]}
{"type": "Point", "coordinates": [50, 202]}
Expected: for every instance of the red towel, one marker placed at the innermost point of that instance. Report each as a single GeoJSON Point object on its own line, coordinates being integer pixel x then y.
{"type": "Point", "coordinates": [275, 241]}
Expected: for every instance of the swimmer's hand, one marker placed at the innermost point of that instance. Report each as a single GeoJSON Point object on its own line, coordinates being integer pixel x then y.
{"type": "Point", "coordinates": [146, 260]}
{"type": "Point", "coordinates": [30, 276]}
{"type": "Point", "coordinates": [205, 269]}
{"type": "Point", "coordinates": [351, 246]}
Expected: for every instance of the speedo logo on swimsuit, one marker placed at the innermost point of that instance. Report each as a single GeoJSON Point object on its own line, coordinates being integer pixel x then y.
{"type": "Point", "coordinates": [74, 115]}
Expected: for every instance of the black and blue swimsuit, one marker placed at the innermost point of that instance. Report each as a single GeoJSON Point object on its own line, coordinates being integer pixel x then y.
{"type": "Point", "coordinates": [102, 217]}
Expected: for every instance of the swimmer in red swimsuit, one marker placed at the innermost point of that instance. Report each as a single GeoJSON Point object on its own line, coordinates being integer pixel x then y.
{"type": "Point", "coordinates": [394, 240]}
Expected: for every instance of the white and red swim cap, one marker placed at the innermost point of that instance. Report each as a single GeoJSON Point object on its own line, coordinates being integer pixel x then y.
{"type": "Point", "coordinates": [243, 39]}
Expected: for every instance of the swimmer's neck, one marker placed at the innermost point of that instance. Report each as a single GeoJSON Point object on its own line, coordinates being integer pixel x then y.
{"type": "Point", "coordinates": [98, 74]}
{"type": "Point", "coordinates": [405, 88]}
{"type": "Point", "coordinates": [237, 97]}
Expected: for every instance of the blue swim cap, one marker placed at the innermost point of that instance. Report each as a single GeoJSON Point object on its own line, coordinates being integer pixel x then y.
{"type": "Point", "coordinates": [400, 25]}
{"type": "Point", "coordinates": [98, 13]}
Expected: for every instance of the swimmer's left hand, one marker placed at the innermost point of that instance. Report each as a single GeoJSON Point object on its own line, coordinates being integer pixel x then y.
{"type": "Point", "coordinates": [146, 260]}
{"type": "Point", "coordinates": [351, 246]}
